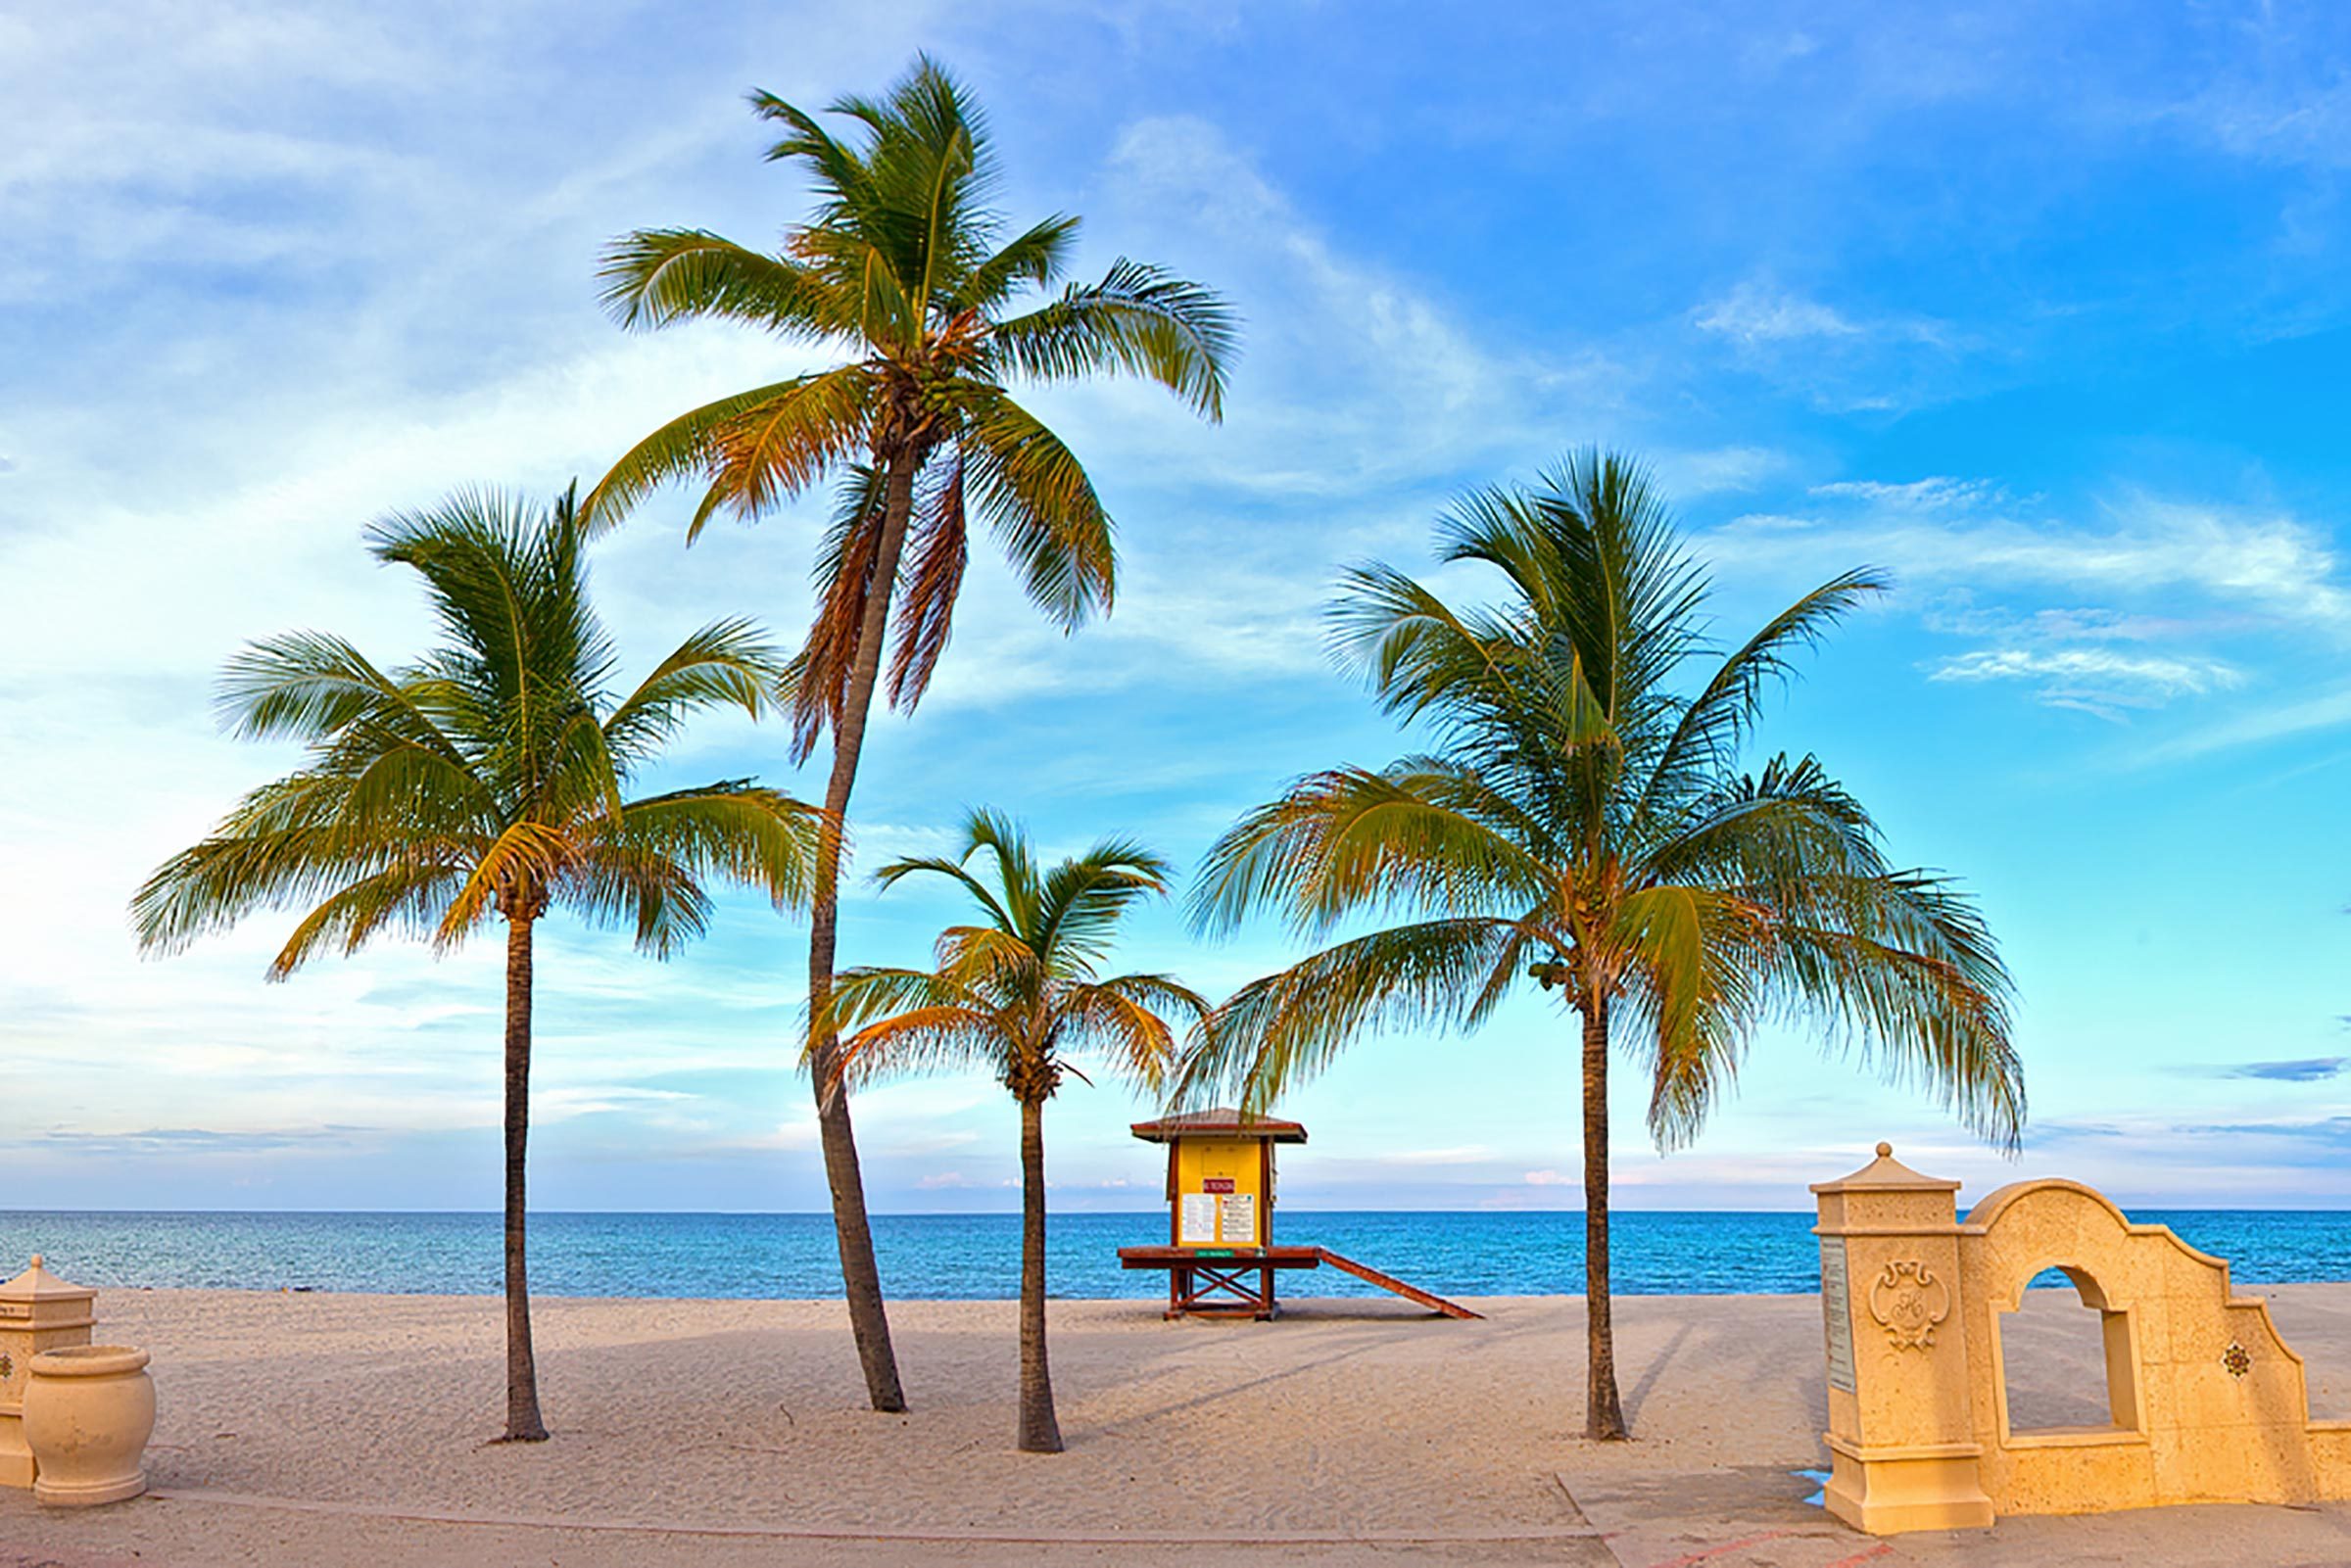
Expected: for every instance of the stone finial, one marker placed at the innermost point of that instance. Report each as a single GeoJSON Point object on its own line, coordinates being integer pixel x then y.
{"type": "Point", "coordinates": [1884, 1151]}
{"type": "Point", "coordinates": [38, 1284]}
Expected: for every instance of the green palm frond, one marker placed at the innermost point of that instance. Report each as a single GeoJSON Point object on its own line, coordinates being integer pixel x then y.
{"type": "Point", "coordinates": [490, 777]}
{"type": "Point", "coordinates": [693, 444]}
{"type": "Point", "coordinates": [904, 264]}
{"type": "Point", "coordinates": [654, 278]}
{"type": "Point", "coordinates": [1080, 902]}
{"type": "Point", "coordinates": [407, 898]}
{"type": "Point", "coordinates": [1582, 813]}
{"type": "Point", "coordinates": [1348, 842]}
{"type": "Point", "coordinates": [1139, 319]}
{"type": "Point", "coordinates": [727, 664]}
{"type": "Point", "coordinates": [1035, 258]}
{"type": "Point", "coordinates": [1041, 506]}
{"type": "Point", "coordinates": [1278, 1032]}
{"type": "Point", "coordinates": [1705, 739]}
{"type": "Point", "coordinates": [735, 831]}
{"type": "Point", "coordinates": [1017, 993]}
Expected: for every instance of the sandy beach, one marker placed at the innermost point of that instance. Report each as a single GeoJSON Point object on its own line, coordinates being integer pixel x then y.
{"type": "Point", "coordinates": [350, 1429]}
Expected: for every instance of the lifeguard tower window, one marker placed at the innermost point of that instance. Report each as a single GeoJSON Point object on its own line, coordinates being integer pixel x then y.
{"type": "Point", "coordinates": [2056, 1354]}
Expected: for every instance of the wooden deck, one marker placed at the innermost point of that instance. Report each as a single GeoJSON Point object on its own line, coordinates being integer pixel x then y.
{"type": "Point", "coordinates": [1214, 1281]}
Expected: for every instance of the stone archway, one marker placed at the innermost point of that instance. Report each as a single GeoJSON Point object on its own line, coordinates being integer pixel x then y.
{"type": "Point", "coordinates": [2207, 1404]}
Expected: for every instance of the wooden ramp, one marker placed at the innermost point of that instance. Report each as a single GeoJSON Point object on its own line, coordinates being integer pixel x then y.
{"type": "Point", "coordinates": [1389, 1282]}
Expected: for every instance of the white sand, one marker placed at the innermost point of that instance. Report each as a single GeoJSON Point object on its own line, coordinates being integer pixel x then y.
{"type": "Point", "coordinates": [349, 1429]}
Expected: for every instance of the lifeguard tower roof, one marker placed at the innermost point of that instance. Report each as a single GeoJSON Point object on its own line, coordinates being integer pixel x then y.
{"type": "Point", "coordinates": [1219, 1123]}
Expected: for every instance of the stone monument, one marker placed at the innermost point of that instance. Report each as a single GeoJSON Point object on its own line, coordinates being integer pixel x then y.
{"type": "Point", "coordinates": [2205, 1403]}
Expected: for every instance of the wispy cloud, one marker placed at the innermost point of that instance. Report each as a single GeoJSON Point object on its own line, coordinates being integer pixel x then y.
{"type": "Point", "coordinates": [2099, 679]}
{"type": "Point", "coordinates": [2179, 575]}
{"type": "Point", "coordinates": [2309, 1070]}
{"type": "Point", "coordinates": [2327, 710]}
{"type": "Point", "coordinates": [1935, 494]}
{"type": "Point", "coordinates": [1755, 312]}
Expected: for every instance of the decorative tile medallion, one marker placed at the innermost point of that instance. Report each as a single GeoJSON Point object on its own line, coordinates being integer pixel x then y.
{"type": "Point", "coordinates": [2238, 1360]}
{"type": "Point", "coordinates": [7, 1366]}
{"type": "Point", "coordinates": [1908, 1299]}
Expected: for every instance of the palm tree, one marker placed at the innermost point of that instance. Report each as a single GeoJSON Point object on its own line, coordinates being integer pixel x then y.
{"type": "Point", "coordinates": [1582, 821]}
{"type": "Point", "coordinates": [1018, 995]}
{"type": "Point", "coordinates": [487, 779]}
{"type": "Point", "coordinates": [904, 270]}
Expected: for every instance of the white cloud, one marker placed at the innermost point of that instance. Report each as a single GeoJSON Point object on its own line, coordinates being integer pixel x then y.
{"type": "Point", "coordinates": [1934, 493]}
{"type": "Point", "coordinates": [2270, 564]}
{"type": "Point", "coordinates": [2099, 679]}
{"type": "Point", "coordinates": [1755, 312]}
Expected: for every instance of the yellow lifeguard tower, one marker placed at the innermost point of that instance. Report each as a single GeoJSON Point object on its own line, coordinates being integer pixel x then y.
{"type": "Point", "coordinates": [1221, 1219]}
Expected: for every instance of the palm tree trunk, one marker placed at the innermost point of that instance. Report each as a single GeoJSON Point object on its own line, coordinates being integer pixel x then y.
{"type": "Point", "coordinates": [522, 1368]}
{"type": "Point", "coordinates": [1041, 1431]}
{"type": "Point", "coordinates": [860, 1277]}
{"type": "Point", "coordinates": [1604, 1414]}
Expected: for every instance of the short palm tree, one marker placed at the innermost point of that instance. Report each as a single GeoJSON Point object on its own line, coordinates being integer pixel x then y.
{"type": "Point", "coordinates": [906, 271]}
{"type": "Point", "coordinates": [1019, 994]}
{"type": "Point", "coordinates": [1583, 822]}
{"type": "Point", "coordinates": [485, 780]}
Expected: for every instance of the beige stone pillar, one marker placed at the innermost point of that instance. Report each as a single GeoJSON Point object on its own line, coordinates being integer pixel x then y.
{"type": "Point", "coordinates": [38, 1311]}
{"type": "Point", "coordinates": [1901, 1436]}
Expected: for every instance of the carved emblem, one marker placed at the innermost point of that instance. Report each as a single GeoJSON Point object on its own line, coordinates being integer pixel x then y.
{"type": "Point", "coordinates": [2238, 1360]}
{"type": "Point", "coordinates": [1908, 1299]}
{"type": "Point", "coordinates": [7, 1366]}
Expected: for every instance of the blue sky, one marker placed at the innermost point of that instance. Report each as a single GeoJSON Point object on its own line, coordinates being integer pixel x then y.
{"type": "Point", "coordinates": [2044, 309]}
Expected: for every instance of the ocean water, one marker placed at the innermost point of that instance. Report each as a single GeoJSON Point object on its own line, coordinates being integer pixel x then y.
{"type": "Point", "coordinates": [978, 1256]}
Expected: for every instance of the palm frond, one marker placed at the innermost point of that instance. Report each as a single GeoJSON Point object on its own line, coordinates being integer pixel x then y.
{"type": "Point", "coordinates": [1036, 257]}
{"type": "Point", "coordinates": [407, 898]}
{"type": "Point", "coordinates": [654, 278]}
{"type": "Point", "coordinates": [1123, 1021]}
{"type": "Point", "coordinates": [1141, 319]}
{"type": "Point", "coordinates": [749, 448]}
{"type": "Point", "coordinates": [1706, 738]}
{"type": "Point", "coordinates": [929, 577]}
{"type": "Point", "coordinates": [1043, 508]}
{"type": "Point", "coordinates": [1080, 902]}
{"type": "Point", "coordinates": [736, 831]}
{"type": "Point", "coordinates": [847, 561]}
{"type": "Point", "coordinates": [1277, 1032]}
{"type": "Point", "coordinates": [727, 664]}
{"type": "Point", "coordinates": [1350, 842]}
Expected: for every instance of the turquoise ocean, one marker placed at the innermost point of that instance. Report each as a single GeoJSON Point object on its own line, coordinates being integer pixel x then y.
{"type": "Point", "coordinates": [978, 1256]}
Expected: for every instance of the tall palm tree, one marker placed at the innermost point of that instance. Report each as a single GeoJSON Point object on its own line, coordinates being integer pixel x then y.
{"type": "Point", "coordinates": [485, 780]}
{"type": "Point", "coordinates": [1018, 995]}
{"type": "Point", "coordinates": [905, 270]}
{"type": "Point", "coordinates": [1582, 821]}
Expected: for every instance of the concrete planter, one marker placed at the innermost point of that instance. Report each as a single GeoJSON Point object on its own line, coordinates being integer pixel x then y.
{"type": "Point", "coordinates": [88, 1412]}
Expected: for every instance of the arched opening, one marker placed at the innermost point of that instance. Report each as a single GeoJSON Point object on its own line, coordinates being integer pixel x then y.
{"type": "Point", "coordinates": [2065, 1358]}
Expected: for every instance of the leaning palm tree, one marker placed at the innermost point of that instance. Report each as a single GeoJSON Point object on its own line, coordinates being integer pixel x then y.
{"type": "Point", "coordinates": [1583, 821]}
{"type": "Point", "coordinates": [1018, 995]}
{"type": "Point", "coordinates": [905, 271]}
{"type": "Point", "coordinates": [485, 780]}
